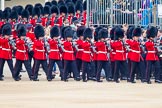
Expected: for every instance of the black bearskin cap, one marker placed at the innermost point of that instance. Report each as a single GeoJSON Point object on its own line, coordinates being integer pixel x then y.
{"type": "Point", "coordinates": [68, 32]}
{"type": "Point", "coordinates": [55, 32]}
{"type": "Point", "coordinates": [137, 32]}
{"type": "Point", "coordinates": [118, 33]}
{"type": "Point", "coordinates": [21, 31]}
{"type": "Point", "coordinates": [39, 31]}
{"type": "Point", "coordinates": [25, 14]}
{"type": "Point", "coordinates": [6, 29]}
{"type": "Point", "coordinates": [54, 9]}
{"type": "Point", "coordinates": [80, 31]}
{"type": "Point", "coordinates": [47, 10]}
{"type": "Point", "coordinates": [87, 33]}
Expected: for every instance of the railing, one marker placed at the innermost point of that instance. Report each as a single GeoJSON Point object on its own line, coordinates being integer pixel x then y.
{"type": "Point", "coordinates": [117, 12]}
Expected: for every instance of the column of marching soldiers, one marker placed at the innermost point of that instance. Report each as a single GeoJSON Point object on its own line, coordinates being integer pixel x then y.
{"type": "Point", "coordinates": [56, 33]}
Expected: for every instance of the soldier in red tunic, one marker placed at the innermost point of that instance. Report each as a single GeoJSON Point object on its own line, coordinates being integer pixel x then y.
{"type": "Point", "coordinates": [135, 56]}
{"type": "Point", "coordinates": [151, 56]}
{"type": "Point", "coordinates": [40, 51]}
{"type": "Point", "coordinates": [63, 12]}
{"type": "Point", "coordinates": [54, 15]}
{"type": "Point", "coordinates": [87, 57]}
{"type": "Point", "coordinates": [120, 56]}
{"type": "Point", "coordinates": [102, 55]}
{"type": "Point", "coordinates": [71, 12]}
{"type": "Point", "coordinates": [21, 55]}
{"type": "Point", "coordinates": [79, 10]}
{"type": "Point", "coordinates": [45, 18]}
{"type": "Point", "coordinates": [79, 42]}
{"type": "Point", "coordinates": [54, 53]}
{"type": "Point", "coordinates": [7, 45]}
{"type": "Point", "coordinates": [68, 56]}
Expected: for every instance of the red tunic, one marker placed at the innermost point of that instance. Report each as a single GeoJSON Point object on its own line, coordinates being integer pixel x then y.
{"type": "Point", "coordinates": [87, 52]}
{"type": "Point", "coordinates": [80, 47]}
{"type": "Point", "coordinates": [69, 51]}
{"type": "Point", "coordinates": [6, 52]}
{"type": "Point", "coordinates": [22, 50]}
{"type": "Point", "coordinates": [54, 50]}
{"type": "Point", "coordinates": [119, 50]}
{"type": "Point", "coordinates": [101, 51]}
{"type": "Point", "coordinates": [135, 51]}
{"type": "Point", "coordinates": [151, 51]}
{"type": "Point", "coordinates": [39, 50]}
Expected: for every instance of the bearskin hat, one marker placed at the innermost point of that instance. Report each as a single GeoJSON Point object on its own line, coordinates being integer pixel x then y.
{"type": "Point", "coordinates": [80, 31]}
{"type": "Point", "coordinates": [96, 36]}
{"type": "Point", "coordinates": [71, 9]}
{"type": "Point", "coordinates": [68, 32]}
{"type": "Point", "coordinates": [19, 9]}
{"type": "Point", "coordinates": [68, 1]}
{"type": "Point", "coordinates": [55, 32]}
{"type": "Point", "coordinates": [151, 32]}
{"type": "Point", "coordinates": [54, 9]}
{"type": "Point", "coordinates": [87, 33]}
{"type": "Point", "coordinates": [112, 33]}
{"type": "Point", "coordinates": [62, 32]}
{"type": "Point", "coordinates": [103, 33]}
{"type": "Point", "coordinates": [14, 15]}
{"type": "Point", "coordinates": [36, 11]}
{"type": "Point", "coordinates": [39, 31]}
{"type": "Point", "coordinates": [25, 14]}
{"type": "Point", "coordinates": [75, 1]}
{"type": "Point", "coordinates": [1, 14]}
{"type": "Point", "coordinates": [137, 32]}
{"type": "Point", "coordinates": [63, 9]}
{"type": "Point", "coordinates": [6, 14]}
{"type": "Point", "coordinates": [48, 4]}
{"type": "Point", "coordinates": [47, 10]}
{"type": "Point", "coordinates": [60, 3]}
{"type": "Point", "coordinates": [85, 5]}
{"type": "Point", "coordinates": [79, 7]}
{"type": "Point", "coordinates": [29, 8]}
{"type": "Point", "coordinates": [21, 31]}
{"type": "Point", "coordinates": [6, 29]}
{"type": "Point", "coordinates": [8, 9]}
{"type": "Point", "coordinates": [118, 33]}
{"type": "Point", "coordinates": [40, 7]}
{"type": "Point", "coordinates": [130, 32]}
{"type": "Point", "coordinates": [54, 3]}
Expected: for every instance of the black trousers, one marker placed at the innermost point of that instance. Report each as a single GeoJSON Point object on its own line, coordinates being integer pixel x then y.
{"type": "Point", "coordinates": [112, 68]}
{"type": "Point", "coordinates": [10, 65]}
{"type": "Point", "coordinates": [50, 67]}
{"type": "Point", "coordinates": [120, 67]}
{"type": "Point", "coordinates": [156, 65]}
{"type": "Point", "coordinates": [36, 66]}
{"type": "Point", "coordinates": [18, 66]}
{"type": "Point", "coordinates": [136, 67]}
{"type": "Point", "coordinates": [79, 64]}
{"type": "Point", "coordinates": [88, 70]}
{"type": "Point", "coordinates": [70, 65]}
{"type": "Point", "coordinates": [103, 65]}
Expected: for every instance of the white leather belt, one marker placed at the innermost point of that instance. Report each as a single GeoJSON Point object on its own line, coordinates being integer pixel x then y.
{"type": "Point", "coordinates": [80, 49]}
{"type": "Point", "coordinates": [69, 51]}
{"type": "Point", "coordinates": [103, 52]}
{"type": "Point", "coordinates": [40, 50]}
{"type": "Point", "coordinates": [136, 51]}
{"type": "Point", "coordinates": [121, 51]}
{"type": "Point", "coordinates": [151, 51]}
{"type": "Point", "coordinates": [5, 49]}
{"type": "Point", "coordinates": [87, 52]}
{"type": "Point", "coordinates": [21, 51]}
{"type": "Point", "coordinates": [54, 50]}
{"type": "Point", "coordinates": [113, 53]}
